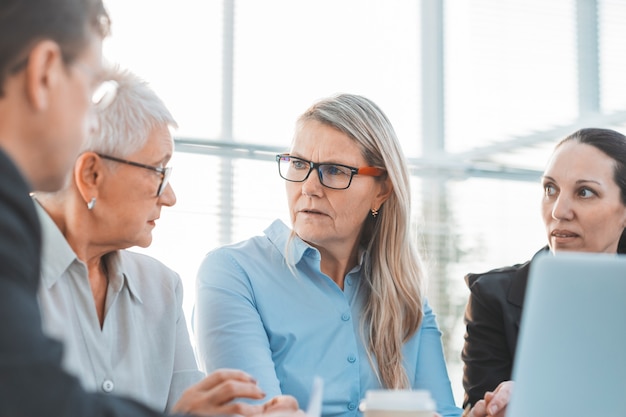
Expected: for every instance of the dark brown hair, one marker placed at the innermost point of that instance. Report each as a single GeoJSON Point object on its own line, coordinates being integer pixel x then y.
{"type": "Point", "coordinates": [69, 23]}
{"type": "Point", "coordinates": [612, 144]}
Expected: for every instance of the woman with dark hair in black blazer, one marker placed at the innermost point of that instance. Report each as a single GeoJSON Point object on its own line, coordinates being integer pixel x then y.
{"type": "Point", "coordinates": [584, 210]}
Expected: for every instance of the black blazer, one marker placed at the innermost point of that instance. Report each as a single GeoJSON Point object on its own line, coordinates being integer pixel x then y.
{"type": "Point", "coordinates": [32, 382]}
{"type": "Point", "coordinates": [492, 319]}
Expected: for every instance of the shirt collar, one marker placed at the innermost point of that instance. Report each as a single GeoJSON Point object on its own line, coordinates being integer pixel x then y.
{"type": "Point", "coordinates": [57, 256]}
{"type": "Point", "coordinates": [289, 244]}
{"type": "Point", "coordinates": [118, 275]}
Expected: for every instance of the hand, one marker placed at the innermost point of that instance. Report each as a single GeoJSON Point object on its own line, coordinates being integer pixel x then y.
{"type": "Point", "coordinates": [215, 394]}
{"type": "Point", "coordinates": [282, 406]}
{"type": "Point", "coordinates": [498, 400]}
{"type": "Point", "coordinates": [283, 413]}
{"type": "Point", "coordinates": [479, 410]}
{"type": "Point", "coordinates": [281, 403]}
{"type": "Point", "coordinates": [494, 404]}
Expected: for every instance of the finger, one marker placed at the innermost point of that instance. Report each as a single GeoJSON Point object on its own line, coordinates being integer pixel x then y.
{"type": "Point", "coordinates": [219, 400]}
{"type": "Point", "coordinates": [221, 375]}
{"type": "Point", "coordinates": [479, 409]}
{"type": "Point", "coordinates": [501, 413]}
{"type": "Point", "coordinates": [224, 385]}
{"type": "Point", "coordinates": [232, 389]}
{"type": "Point", "coordinates": [237, 408]}
{"type": "Point", "coordinates": [297, 413]}
{"type": "Point", "coordinates": [281, 402]}
{"type": "Point", "coordinates": [500, 398]}
{"type": "Point", "coordinates": [505, 387]}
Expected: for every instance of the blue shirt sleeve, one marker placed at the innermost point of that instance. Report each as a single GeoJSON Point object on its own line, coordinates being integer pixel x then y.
{"type": "Point", "coordinates": [430, 366]}
{"type": "Point", "coordinates": [227, 327]}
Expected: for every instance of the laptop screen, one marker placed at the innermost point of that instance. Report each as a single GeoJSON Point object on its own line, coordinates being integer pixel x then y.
{"type": "Point", "coordinates": [571, 354]}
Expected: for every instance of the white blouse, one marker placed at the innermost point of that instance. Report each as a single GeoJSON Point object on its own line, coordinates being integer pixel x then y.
{"type": "Point", "coordinates": [143, 348]}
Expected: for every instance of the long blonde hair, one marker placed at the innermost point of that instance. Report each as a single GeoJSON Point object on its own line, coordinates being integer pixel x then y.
{"type": "Point", "coordinates": [392, 267]}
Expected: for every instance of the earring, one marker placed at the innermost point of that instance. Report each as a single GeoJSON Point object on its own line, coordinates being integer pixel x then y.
{"type": "Point", "coordinates": [91, 203]}
{"type": "Point", "coordinates": [374, 212]}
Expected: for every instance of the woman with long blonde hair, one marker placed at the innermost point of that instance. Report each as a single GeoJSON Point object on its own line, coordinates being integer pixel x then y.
{"type": "Point", "coordinates": [340, 293]}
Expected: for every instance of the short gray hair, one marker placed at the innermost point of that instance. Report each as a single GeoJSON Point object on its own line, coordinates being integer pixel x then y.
{"type": "Point", "coordinates": [124, 126]}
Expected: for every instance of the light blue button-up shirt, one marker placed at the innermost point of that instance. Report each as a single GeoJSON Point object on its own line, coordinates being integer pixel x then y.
{"type": "Point", "coordinates": [252, 313]}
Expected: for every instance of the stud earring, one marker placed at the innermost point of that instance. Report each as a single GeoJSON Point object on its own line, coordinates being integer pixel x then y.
{"type": "Point", "coordinates": [91, 203]}
{"type": "Point", "coordinates": [374, 212]}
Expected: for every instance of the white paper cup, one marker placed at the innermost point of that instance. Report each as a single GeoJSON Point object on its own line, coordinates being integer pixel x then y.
{"type": "Point", "coordinates": [398, 403]}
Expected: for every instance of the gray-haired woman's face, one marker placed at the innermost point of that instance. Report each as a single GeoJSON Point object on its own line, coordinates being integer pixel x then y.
{"type": "Point", "coordinates": [582, 207]}
{"type": "Point", "coordinates": [128, 196]}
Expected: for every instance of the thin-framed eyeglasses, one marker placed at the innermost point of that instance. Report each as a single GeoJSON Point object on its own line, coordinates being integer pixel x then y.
{"type": "Point", "coordinates": [335, 176]}
{"type": "Point", "coordinates": [165, 172]}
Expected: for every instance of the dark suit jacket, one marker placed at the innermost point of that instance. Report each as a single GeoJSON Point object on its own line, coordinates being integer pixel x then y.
{"type": "Point", "coordinates": [32, 382]}
{"type": "Point", "coordinates": [492, 319]}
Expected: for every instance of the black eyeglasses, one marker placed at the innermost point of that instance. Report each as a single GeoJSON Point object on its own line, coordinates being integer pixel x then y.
{"type": "Point", "coordinates": [335, 176]}
{"type": "Point", "coordinates": [165, 172]}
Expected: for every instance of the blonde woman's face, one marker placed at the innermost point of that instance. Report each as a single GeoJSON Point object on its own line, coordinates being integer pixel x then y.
{"type": "Point", "coordinates": [330, 219]}
{"type": "Point", "coordinates": [582, 207]}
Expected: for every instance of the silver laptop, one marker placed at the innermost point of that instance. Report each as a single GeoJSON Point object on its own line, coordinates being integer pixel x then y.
{"type": "Point", "coordinates": [571, 353]}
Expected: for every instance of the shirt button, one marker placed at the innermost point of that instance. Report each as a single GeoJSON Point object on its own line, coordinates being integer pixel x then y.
{"type": "Point", "coordinates": [348, 281]}
{"type": "Point", "coordinates": [345, 317]}
{"type": "Point", "coordinates": [351, 358]}
{"type": "Point", "coordinates": [108, 385]}
{"type": "Point", "coordinates": [351, 406]}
